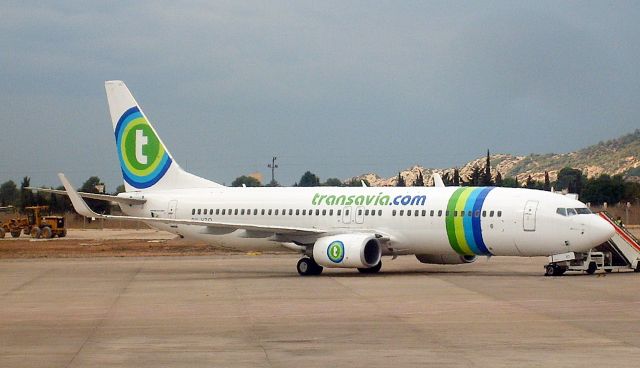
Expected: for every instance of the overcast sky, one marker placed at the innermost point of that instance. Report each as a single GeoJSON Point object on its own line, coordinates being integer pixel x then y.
{"type": "Point", "coordinates": [336, 87]}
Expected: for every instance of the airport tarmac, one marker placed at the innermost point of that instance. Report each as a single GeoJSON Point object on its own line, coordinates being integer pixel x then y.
{"type": "Point", "coordinates": [255, 311]}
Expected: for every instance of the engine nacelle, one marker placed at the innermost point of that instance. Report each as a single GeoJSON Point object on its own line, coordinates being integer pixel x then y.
{"type": "Point", "coordinates": [445, 258]}
{"type": "Point", "coordinates": [347, 251]}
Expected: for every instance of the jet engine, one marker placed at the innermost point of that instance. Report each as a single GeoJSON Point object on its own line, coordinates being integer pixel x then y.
{"type": "Point", "coordinates": [445, 258]}
{"type": "Point", "coordinates": [347, 251]}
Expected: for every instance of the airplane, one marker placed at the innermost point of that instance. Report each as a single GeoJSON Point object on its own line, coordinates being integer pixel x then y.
{"type": "Point", "coordinates": [336, 227]}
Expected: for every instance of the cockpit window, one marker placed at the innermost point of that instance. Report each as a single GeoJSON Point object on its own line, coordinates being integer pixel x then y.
{"type": "Point", "coordinates": [573, 211]}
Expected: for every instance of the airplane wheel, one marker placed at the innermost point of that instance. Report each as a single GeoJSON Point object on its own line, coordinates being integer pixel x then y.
{"type": "Point", "coordinates": [592, 268]}
{"type": "Point", "coordinates": [374, 269]}
{"type": "Point", "coordinates": [308, 267]}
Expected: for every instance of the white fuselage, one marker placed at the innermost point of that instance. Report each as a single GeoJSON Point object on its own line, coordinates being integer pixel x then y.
{"type": "Point", "coordinates": [417, 220]}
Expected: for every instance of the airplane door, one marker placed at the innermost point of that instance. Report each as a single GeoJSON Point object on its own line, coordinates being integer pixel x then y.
{"type": "Point", "coordinates": [346, 215]}
{"type": "Point", "coordinates": [359, 215]}
{"type": "Point", "coordinates": [171, 211]}
{"type": "Point", "coordinates": [529, 219]}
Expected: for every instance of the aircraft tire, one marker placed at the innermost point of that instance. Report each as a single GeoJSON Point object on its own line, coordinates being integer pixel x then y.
{"type": "Point", "coordinates": [308, 267]}
{"type": "Point", "coordinates": [374, 269]}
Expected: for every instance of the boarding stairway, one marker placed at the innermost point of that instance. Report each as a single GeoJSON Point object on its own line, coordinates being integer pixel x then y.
{"type": "Point", "coordinates": [621, 252]}
{"type": "Point", "coordinates": [623, 246]}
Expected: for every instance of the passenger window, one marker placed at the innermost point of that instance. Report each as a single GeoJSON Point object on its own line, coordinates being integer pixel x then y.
{"type": "Point", "coordinates": [199, 211]}
{"type": "Point", "coordinates": [262, 212]}
{"type": "Point", "coordinates": [439, 213]}
{"type": "Point", "coordinates": [379, 212]}
{"type": "Point", "coordinates": [346, 213]}
{"type": "Point", "coordinates": [373, 212]}
{"type": "Point", "coordinates": [242, 211]}
{"type": "Point", "coordinates": [393, 213]}
{"type": "Point", "coordinates": [193, 211]}
{"type": "Point", "coordinates": [401, 212]}
{"type": "Point", "coordinates": [317, 212]}
{"type": "Point", "coordinates": [284, 212]}
{"type": "Point", "coordinates": [431, 213]}
{"type": "Point", "coordinates": [339, 212]}
{"type": "Point", "coordinates": [297, 212]}
{"type": "Point", "coordinates": [217, 211]}
{"type": "Point", "coordinates": [499, 213]}
{"type": "Point", "coordinates": [324, 212]}
{"type": "Point", "coordinates": [424, 213]}
{"type": "Point", "coordinates": [330, 212]}
{"type": "Point", "coordinates": [446, 213]}
{"type": "Point", "coordinates": [223, 211]}
{"type": "Point", "coordinates": [470, 213]}
{"type": "Point", "coordinates": [571, 212]}
{"type": "Point", "coordinates": [366, 212]}
{"type": "Point", "coordinates": [255, 211]}
{"type": "Point", "coordinates": [359, 212]}
{"type": "Point", "coordinates": [484, 213]}
{"type": "Point", "coordinates": [304, 212]}
{"type": "Point", "coordinates": [235, 212]}
{"type": "Point", "coordinates": [491, 213]}
{"type": "Point", "coordinates": [561, 211]}
{"type": "Point", "coordinates": [310, 212]}
{"type": "Point", "coordinates": [408, 212]}
{"type": "Point", "coordinates": [477, 214]}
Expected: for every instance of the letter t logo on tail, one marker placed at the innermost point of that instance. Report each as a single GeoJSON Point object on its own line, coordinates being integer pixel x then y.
{"type": "Point", "coordinates": [141, 140]}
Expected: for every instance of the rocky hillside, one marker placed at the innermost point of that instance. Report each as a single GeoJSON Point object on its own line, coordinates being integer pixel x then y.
{"type": "Point", "coordinates": [617, 156]}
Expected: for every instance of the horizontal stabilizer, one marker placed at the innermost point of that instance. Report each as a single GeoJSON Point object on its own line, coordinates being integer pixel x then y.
{"type": "Point", "coordinates": [100, 197]}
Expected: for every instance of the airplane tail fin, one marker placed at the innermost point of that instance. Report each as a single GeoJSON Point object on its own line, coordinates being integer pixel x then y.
{"type": "Point", "coordinates": [144, 159]}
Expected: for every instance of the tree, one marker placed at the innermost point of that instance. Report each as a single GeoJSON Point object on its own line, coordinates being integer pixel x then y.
{"type": "Point", "coordinates": [446, 179]}
{"type": "Point", "coordinates": [473, 180]}
{"type": "Point", "coordinates": [91, 185]}
{"type": "Point", "coordinates": [355, 182]}
{"type": "Point", "coordinates": [510, 182]}
{"type": "Point", "coordinates": [119, 189]}
{"type": "Point", "coordinates": [603, 189]}
{"type": "Point", "coordinates": [246, 180]}
{"type": "Point", "coordinates": [26, 197]}
{"type": "Point", "coordinates": [485, 180]}
{"type": "Point", "coordinates": [333, 182]}
{"type": "Point", "coordinates": [547, 182]}
{"type": "Point", "coordinates": [309, 179]}
{"type": "Point", "coordinates": [499, 180]}
{"type": "Point", "coordinates": [570, 179]}
{"type": "Point", "coordinates": [419, 182]}
{"type": "Point", "coordinates": [9, 193]}
{"type": "Point", "coordinates": [456, 177]}
{"type": "Point", "coordinates": [400, 182]}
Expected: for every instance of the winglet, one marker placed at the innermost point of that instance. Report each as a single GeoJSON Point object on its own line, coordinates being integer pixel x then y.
{"type": "Point", "coordinates": [78, 203]}
{"type": "Point", "coordinates": [437, 180]}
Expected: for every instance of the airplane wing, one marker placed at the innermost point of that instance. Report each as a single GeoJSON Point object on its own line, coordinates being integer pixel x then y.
{"type": "Point", "coordinates": [82, 208]}
{"type": "Point", "coordinates": [100, 197]}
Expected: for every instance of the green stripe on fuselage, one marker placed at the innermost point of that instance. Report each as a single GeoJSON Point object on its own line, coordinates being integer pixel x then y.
{"type": "Point", "coordinates": [449, 220]}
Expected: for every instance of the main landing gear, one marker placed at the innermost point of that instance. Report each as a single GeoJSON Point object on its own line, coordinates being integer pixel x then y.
{"type": "Point", "coordinates": [308, 267]}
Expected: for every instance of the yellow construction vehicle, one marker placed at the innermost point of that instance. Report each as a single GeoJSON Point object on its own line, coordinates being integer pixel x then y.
{"type": "Point", "coordinates": [44, 226]}
{"type": "Point", "coordinates": [15, 225]}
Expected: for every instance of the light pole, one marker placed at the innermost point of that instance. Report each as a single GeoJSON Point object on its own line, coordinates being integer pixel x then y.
{"type": "Point", "coordinates": [273, 168]}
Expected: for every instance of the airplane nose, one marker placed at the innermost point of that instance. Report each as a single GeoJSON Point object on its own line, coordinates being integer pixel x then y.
{"type": "Point", "coordinates": [600, 230]}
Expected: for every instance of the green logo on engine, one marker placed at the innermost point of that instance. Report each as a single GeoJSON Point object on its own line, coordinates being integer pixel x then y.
{"type": "Point", "coordinates": [335, 251]}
